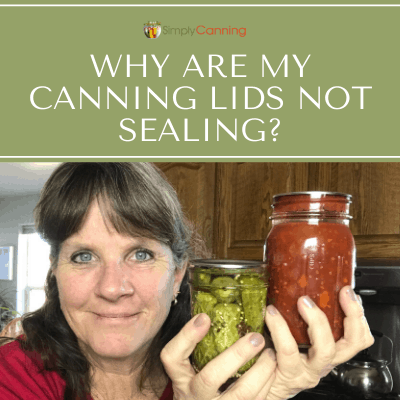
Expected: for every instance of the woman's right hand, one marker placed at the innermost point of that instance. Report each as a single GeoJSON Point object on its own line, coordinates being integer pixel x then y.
{"type": "Point", "coordinates": [189, 385]}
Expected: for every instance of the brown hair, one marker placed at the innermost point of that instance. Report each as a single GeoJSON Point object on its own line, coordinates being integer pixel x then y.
{"type": "Point", "coordinates": [137, 200]}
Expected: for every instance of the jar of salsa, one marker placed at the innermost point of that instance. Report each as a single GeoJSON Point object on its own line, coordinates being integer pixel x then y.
{"type": "Point", "coordinates": [310, 251]}
{"type": "Point", "coordinates": [233, 293]}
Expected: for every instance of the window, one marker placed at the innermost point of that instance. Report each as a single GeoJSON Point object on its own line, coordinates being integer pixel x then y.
{"type": "Point", "coordinates": [33, 265]}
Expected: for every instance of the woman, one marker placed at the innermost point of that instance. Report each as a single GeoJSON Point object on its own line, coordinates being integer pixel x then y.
{"type": "Point", "coordinates": [116, 325]}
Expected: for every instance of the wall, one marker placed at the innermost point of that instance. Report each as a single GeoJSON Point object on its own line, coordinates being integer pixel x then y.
{"type": "Point", "coordinates": [14, 211]}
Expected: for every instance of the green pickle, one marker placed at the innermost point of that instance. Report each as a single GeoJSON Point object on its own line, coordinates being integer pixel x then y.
{"type": "Point", "coordinates": [203, 279]}
{"type": "Point", "coordinates": [254, 296]}
{"type": "Point", "coordinates": [225, 319]}
{"type": "Point", "coordinates": [235, 306]}
{"type": "Point", "coordinates": [222, 294]}
{"type": "Point", "coordinates": [205, 351]}
{"type": "Point", "coordinates": [204, 303]}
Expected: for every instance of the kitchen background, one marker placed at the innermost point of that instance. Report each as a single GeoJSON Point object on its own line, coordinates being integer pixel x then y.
{"type": "Point", "coordinates": [230, 204]}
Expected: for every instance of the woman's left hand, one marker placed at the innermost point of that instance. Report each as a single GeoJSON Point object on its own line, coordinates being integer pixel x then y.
{"type": "Point", "coordinates": [295, 371]}
{"type": "Point", "coordinates": [205, 385]}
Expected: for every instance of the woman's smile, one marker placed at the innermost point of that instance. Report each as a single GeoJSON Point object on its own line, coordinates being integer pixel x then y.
{"type": "Point", "coordinates": [113, 318]}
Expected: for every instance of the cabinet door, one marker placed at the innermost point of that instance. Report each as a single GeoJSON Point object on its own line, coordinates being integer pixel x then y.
{"type": "Point", "coordinates": [243, 204]}
{"type": "Point", "coordinates": [244, 197]}
{"type": "Point", "coordinates": [195, 186]}
{"type": "Point", "coordinates": [375, 188]}
{"type": "Point", "coordinates": [376, 205]}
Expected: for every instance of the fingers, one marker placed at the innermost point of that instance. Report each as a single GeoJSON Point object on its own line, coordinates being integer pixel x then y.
{"type": "Point", "coordinates": [323, 347]}
{"type": "Point", "coordinates": [287, 351]}
{"type": "Point", "coordinates": [257, 381]}
{"type": "Point", "coordinates": [292, 375]}
{"type": "Point", "coordinates": [295, 371]}
{"type": "Point", "coordinates": [226, 365]}
{"type": "Point", "coordinates": [175, 355]}
{"type": "Point", "coordinates": [357, 335]}
{"type": "Point", "coordinates": [205, 385]}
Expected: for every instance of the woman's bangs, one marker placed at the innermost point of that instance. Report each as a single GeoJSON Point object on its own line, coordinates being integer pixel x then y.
{"type": "Point", "coordinates": [113, 215]}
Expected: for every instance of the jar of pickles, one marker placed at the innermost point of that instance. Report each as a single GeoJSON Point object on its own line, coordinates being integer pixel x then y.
{"type": "Point", "coordinates": [310, 251]}
{"type": "Point", "coordinates": [233, 294]}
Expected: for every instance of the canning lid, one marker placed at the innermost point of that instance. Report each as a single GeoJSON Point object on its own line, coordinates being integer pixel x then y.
{"type": "Point", "coordinates": [311, 205]}
{"type": "Point", "coordinates": [314, 195]}
{"type": "Point", "coordinates": [227, 264]}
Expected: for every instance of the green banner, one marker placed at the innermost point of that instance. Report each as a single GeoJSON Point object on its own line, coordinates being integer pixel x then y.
{"type": "Point", "coordinates": [283, 82]}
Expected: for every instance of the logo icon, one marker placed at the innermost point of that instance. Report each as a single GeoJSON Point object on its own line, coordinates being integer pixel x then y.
{"type": "Point", "coordinates": [152, 30]}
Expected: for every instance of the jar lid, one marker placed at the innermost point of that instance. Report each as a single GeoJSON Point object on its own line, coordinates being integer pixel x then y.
{"type": "Point", "coordinates": [314, 194]}
{"type": "Point", "coordinates": [228, 264]}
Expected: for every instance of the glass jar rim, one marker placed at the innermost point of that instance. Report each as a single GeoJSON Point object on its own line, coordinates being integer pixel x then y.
{"type": "Point", "coordinates": [226, 263]}
{"type": "Point", "coordinates": [314, 194]}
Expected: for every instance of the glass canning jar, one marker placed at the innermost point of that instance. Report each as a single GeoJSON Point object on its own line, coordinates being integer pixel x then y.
{"type": "Point", "coordinates": [233, 294]}
{"type": "Point", "coordinates": [310, 251]}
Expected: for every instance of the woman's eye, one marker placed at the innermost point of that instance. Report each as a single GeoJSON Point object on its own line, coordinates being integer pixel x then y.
{"type": "Point", "coordinates": [142, 255]}
{"type": "Point", "coordinates": [82, 258]}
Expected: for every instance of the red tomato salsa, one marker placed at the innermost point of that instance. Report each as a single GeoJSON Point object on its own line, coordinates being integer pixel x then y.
{"type": "Point", "coordinates": [310, 251]}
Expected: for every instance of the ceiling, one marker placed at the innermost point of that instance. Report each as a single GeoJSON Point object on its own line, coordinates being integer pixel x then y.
{"type": "Point", "coordinates": [21, 179]}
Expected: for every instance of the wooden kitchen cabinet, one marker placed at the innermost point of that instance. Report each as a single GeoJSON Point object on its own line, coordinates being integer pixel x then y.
{"type": "Point", "coordinates": [243, 204]}
{"type": "Point", "coordinates": [231, 202]}
{"type": "Point", "coordinates": [244, 194]}
{"type": "Point", "coordinates": [376, 206]}
{"type": "Point", "coordinates": [195, 186]}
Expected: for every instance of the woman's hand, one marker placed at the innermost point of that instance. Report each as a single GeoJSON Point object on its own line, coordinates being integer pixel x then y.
{"type": "Point", "coordinates": [187, 385]}
{"type": "Point", "coordinates": [296, 372]}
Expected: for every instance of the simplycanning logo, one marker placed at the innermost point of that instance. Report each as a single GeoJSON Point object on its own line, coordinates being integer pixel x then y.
{"type": "Point", "coordinates": [204, 30]}
{"type": "Point", "coordinates": [152, 30]}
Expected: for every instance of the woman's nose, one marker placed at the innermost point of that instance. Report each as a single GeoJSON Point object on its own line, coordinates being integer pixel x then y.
{"type": "Point", "coordinates": [113, 281]}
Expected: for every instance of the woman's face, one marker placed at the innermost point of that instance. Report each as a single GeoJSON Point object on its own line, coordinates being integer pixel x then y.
{"type": "Point", "coordinates": [115, 290]}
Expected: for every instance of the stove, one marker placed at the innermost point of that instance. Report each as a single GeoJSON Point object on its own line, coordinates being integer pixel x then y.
{"type": "Point", "coordinates": [327, 390]}
{"type": "Point", "coordinates": [379, 287]}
